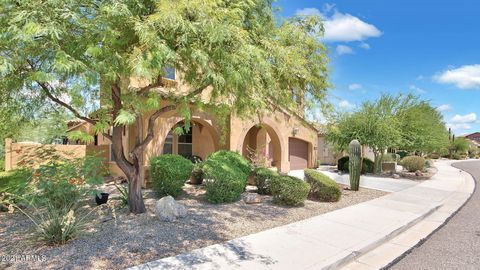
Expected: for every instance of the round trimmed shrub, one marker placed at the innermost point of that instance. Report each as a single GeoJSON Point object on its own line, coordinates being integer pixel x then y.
{"type": "Point", "coordinates": [169, 173]}
{"type": "Point", "coordinates": [322, 188]}
{"type": "Point", "coordinates": [289, 190]}
{"type": "Point", "coordinates": [263, 178]}
{"type": "Point", "coordinates": [413, 163]}
{"type": "Point", "coordinates": [367, 165]}
{"type": "Point", "coordinates": [226, 174]}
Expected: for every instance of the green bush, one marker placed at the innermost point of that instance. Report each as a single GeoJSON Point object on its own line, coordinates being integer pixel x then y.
{"type": "Point", "coordinates": [289, 190]}
{"type": "Point", "coordinates": [322, 188]}
{"type": "Point", "coordinates": [234, 159]}
{"type": "Point", "coordinates": [2, 165]}
{"type": "Point", "coordinates": [367, 165]}
{"type": "Point", "coordinates": [226, 174]}
{"type": "Point", "coordinates": [263, 178]}
{"type": "Point", "coordinates": [169, 173]}
{"type": "Point", "coordinates": [413, 163]}
{"type": "Point", "coordinates": [402, 154]}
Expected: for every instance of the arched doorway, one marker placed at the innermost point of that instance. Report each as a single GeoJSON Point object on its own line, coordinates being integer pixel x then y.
{"type": "Point", "coordinates": [261, 145]}
{"type": "Point", "coordinates": [200, 140]}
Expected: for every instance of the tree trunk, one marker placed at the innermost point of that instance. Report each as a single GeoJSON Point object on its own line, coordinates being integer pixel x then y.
{"type": "Point", "coordinates": [377, 163]}
{"type": "Point", "coordinates": [135, 198]}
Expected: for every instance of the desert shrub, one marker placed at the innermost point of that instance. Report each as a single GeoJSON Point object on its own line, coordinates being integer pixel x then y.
{"type": "Point", "coordinates": [226, 174]}
{"type": "Point", "coordinates": [65, 182]}
{"type": "Point", "coordinates": [169, 173]}
{"type": "Point", "coordinates": [289, 190]}
{"type": "Point", "coordinates": [263, 178]}
{"type": "Point", "coordinates": [13, 185]}
{"type": "Point", "coordinates": [413, 163]}
{"type": "Point", "coordinates": [367, 165]}
{"type": "Point", "coordinates": [233, 159]}
{"type": "Point", "coordinates": [434, 156]}
{"type": "Point", "coordinates": [322, 188]}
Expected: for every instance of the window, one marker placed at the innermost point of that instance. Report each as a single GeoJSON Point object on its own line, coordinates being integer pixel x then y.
{"type": "Point", "coordinates": [185, 144]}
{"type": "Point", "coordinates": [168, 145]}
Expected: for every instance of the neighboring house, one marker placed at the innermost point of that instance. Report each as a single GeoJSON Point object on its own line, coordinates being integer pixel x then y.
{"type": "Point", "coordinates": [474, 138]}
{"type": "Point", "coordinates": [285, 137]}
{"type": "Point", "coordinates": [326, 154]}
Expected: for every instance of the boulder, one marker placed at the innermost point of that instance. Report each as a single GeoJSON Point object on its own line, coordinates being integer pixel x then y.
{"type": "Point", "coordinates": [418, 173]}
{"type": "Point", "coordinates": [396, 176]}
{"type": "Point", "coordinates": [252, 198]}
{"type": "Point", "coordinates": [167, 209]}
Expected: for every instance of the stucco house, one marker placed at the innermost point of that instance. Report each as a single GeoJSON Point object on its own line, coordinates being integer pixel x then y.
{"type": "Point", "coordinates": [288, 141]}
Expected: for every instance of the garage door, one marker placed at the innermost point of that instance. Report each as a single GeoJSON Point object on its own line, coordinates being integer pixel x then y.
{"type": "Point", "coordinates": [297, 154]}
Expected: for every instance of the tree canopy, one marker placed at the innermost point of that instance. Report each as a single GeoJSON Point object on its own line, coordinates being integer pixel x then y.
{"type": "Point", "coordinates": [400, 122]}
{"type": "Point", "coordinates": [75, 51]}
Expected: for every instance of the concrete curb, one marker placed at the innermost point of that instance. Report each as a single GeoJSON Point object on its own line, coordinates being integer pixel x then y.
{"type": "Point", "coordinates": [384, 257]}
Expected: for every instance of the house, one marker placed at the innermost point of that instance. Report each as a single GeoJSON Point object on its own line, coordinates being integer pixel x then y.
{"type": "Point", "coordinates": [474, 138]}
{"type": "Point", "coordinates": [288, 141]}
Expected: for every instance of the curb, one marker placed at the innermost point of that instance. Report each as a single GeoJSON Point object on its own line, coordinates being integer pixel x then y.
{"type": "Point", "coordinates": [423, 240]}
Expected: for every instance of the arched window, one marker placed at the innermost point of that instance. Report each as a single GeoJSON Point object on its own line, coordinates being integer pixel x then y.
{"type": "Point", "coordinates": [168, 145]}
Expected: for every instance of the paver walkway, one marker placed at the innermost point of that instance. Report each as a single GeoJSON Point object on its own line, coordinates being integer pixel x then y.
{"type": "Point", "coordinates": [333, 239]}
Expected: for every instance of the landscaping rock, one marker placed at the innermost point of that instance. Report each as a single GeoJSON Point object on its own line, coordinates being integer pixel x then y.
{"type": "Point", "coordinates": [396, 176]}
{"type": "Point", "coordinates": [252, 198]}
{"type": "Point", "coordinates": [167, 209]}
{"type": "Point", "coordinates": [418, 173]}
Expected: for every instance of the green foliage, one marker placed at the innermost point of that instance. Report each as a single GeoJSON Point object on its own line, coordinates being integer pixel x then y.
{"type": "Point", "coordinates": [2, 164]}
{"type": "Point", "coordinates": [460, 145]}
{"type": "Point", "coordinates": [64, 183]}
{"type": "Point", "coordinates": [13, 185]}
{"type": "Point", "coordinates": [367, 165]}
{"type": "Point", "coordinates": [169, 173]}
{"type": "Point", "coordinates": [403, 122]}
{"type": "Point", "coordinates": [413, 163]}
{"type": "Point", "coordinates": [123, 194]}
{"type": "Point", "coordinates": [197, 171]}
{"type": "Point", "coordinates": [226, 174]}
{"type": "Point", "coordinates": [322, 188]}
{"type": "Point", "coordinates": [289, 190]}
{"type": "Point", "coordinates": [263, 178]}
{"type": "Point", "coordinates": [354, 164]}
{"type": "Point", "coordinates": [233, 159]}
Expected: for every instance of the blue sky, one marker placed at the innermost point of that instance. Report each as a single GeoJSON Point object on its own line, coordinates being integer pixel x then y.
{"type": "Point", "coordinates": [427, 47]}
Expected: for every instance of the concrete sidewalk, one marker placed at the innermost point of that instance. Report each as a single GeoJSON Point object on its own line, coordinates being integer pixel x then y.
{"type": "Point", "coordinates": [340, 237]}
{"type": "Point", "coordinates": [379, 183]}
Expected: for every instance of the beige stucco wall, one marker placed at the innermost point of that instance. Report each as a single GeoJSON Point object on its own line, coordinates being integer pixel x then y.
{"type": "Point", "coordinates": [280, 127]}
{"type": "Point", "coordinates": [325, 153]}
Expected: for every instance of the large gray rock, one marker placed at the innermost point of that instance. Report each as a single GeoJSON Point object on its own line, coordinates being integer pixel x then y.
{"type": "Point", "coordinates": [167, 209]}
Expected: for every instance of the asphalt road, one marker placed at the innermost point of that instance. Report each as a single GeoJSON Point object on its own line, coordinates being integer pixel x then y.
{"type": "Point", "coordinates": [456, 245]}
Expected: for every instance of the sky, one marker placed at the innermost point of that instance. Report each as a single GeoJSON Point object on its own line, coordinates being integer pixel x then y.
{"type": "Point", "coordinates": [430, 48]}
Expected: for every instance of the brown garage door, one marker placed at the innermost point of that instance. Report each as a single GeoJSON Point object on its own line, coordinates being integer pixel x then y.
{"type": "Point", "coordinates": [297, 154]}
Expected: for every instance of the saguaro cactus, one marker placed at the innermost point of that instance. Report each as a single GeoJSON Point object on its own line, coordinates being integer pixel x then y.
{"type": "Point", "coordinates": [354, 163]}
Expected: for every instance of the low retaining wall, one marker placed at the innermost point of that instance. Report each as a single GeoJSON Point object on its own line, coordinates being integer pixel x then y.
{"type": "Point", "coordinates": [29, 154]}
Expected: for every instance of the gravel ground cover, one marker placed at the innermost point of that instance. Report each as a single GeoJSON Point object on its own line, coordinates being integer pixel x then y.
{"type": "Point", "coordinates": [128, 240]}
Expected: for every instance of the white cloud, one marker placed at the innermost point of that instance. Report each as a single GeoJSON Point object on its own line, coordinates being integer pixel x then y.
{"type": "Point", "coordinates": [467, 118]}
{"type": "Point", "coordinates": [355, 86]}
{"type": "Point", "coordinates": [342, 27]}
{"type": "Point", "coordinates": [364, 46]}
{"type": "Point", "coordinates": [308, 12]}
{"type": "Point", "coordinates": [343, 49]}
{"type": "Point", "coordinates": [459, 126]}
{"type": "Point", "coordinates": [344, 104]}
{"type": "Point", "coordinates": [420, 77]}
{"type": "Point", "coordinates": [417, 89]}
{"type": "Point", "coordinates": [346, 28]}
{"type": "Point", "coordinates": [444, 108]}
{"type": "Point", "coordinates": [465, 77]}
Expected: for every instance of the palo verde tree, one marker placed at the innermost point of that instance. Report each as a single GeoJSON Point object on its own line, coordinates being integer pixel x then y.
{"type": "Point", "coordinates": [375, 124]}
{"type": "Point", "coordinates": [248, 60]}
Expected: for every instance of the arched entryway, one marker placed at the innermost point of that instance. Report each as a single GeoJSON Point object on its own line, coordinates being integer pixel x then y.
{"type": "Point", "coordinates": [201, 139]}
{"type": "Point", "coordinates": [261, 145]}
